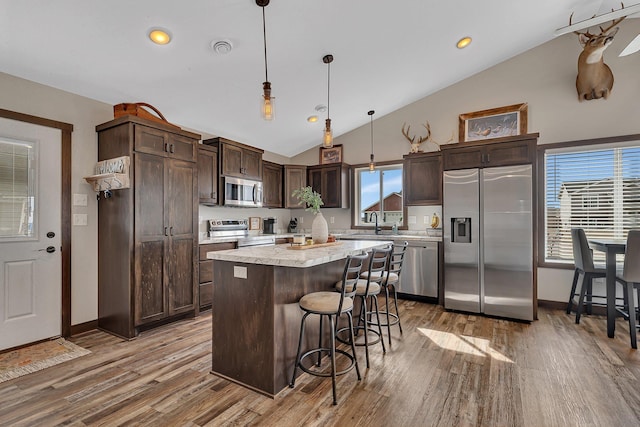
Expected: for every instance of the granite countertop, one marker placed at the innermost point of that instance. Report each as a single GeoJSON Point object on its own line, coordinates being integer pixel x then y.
{"type": "Point", "coordinates": [340, 236]}
{"type": "Point", "coordinates": [394, 237]}
{"type": "Point", "coordinates": [281, 256]}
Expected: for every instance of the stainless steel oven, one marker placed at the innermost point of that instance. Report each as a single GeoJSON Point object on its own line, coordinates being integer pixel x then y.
{"type": "Point", "coordinates": [242, 192]}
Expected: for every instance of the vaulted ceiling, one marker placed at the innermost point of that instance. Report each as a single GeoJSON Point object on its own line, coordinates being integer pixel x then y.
{"type": "Point", "coordinates": [387, 54]}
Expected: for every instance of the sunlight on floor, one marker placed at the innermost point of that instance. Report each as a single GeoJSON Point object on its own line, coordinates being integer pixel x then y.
{"type": "Point", "coordinates": [463, 344]}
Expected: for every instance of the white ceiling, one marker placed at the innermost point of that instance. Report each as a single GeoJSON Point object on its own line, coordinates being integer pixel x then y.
{"type": "Point", "coordinates": [387, 54]}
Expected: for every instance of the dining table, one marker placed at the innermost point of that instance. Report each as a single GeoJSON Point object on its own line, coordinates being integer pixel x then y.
{"type": "Point", "coordinates": [611, 248]}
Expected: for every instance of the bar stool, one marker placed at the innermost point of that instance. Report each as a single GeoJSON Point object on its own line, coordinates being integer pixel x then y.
{"type": "Point", "coordinates": [583, 259]}
{"type": "Point", "coordinates": [630, 280]}
{"type": "Point", "coordinates": [369, 289]}
{"type": "Point", "coordinates": [391, 280]}
{"type": "Point", "coordinates": [332, 305]}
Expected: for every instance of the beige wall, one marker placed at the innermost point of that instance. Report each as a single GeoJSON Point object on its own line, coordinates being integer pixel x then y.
{"type": "Point", "coordinates": [544, 78]}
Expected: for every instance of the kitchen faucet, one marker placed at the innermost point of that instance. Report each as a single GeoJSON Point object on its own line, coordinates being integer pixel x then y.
{"type": "Point", "coordinates": [376, 229]}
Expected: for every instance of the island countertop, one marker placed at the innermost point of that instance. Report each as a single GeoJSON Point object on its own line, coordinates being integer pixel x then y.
{"type": "Point", "coordinates": [279, 255]}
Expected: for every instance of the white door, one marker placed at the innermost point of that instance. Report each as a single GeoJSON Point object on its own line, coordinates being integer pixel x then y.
{"type": "Point", "coordinates": [30, 259]}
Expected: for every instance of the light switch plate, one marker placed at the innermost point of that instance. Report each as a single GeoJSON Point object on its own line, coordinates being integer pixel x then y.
{"type": "Point", "coordinates": [79, 219]}
{"type": "Point", "coordinates": [79, 199]}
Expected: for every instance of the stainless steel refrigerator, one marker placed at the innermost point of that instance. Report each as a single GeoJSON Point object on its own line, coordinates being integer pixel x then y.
{"type": "Point", "coordinates": [488, 241]}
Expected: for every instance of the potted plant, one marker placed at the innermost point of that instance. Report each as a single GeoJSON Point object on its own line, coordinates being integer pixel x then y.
{"type": "Point", "coordinates": [312, 202]}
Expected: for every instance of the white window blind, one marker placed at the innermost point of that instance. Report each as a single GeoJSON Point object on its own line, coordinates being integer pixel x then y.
{"type": "Point", "coordinates": [16, 189]}
{"type": "Point", "coordinates": [595, 188]}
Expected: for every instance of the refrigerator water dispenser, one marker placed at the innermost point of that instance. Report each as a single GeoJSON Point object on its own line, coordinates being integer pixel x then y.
{"type": "Point", "coordinates": [461, 230]}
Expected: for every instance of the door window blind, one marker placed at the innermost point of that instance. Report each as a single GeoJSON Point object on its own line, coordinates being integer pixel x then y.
{"type": "Point", "coordinates": [17, 189]}
{"type": "Point", "coordinates": [594, 188]}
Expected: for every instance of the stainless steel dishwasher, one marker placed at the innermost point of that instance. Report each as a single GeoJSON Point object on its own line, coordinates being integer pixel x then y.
{"type": "Point", "coordinates": [419, 274]}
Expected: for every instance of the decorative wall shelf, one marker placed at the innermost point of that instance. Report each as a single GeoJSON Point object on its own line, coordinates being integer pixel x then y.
{"type": "Point", "coordinates": [111, 174]}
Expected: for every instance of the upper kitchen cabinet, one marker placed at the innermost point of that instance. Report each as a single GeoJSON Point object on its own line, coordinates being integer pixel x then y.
{"type": "Point", "coordinates": [423, 179]}
{"type": "Point", "coordinates": [332, 182]}
{"type": "Point", "coordinates": [514, 150]}
{"type": "Point", "coordinates": [295, 177]}
{"type": "Point", "coordinates": [207, 175]}
{"type": "Point", "coordinates": [271, 185]}
{"type": "Point", "coordinates": [236, 159]}
{"type": "Point", "coordinates": [162, 143]}
{"type": "Point", "coordinates": [148, 233]}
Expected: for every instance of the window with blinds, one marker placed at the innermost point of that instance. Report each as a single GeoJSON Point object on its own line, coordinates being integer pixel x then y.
{"type": "Point", "coordinates": [596, 188]}
{"type": "Point", "coordinates": [17, 189]}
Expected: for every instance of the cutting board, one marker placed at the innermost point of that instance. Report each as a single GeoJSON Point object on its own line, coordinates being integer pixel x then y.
{"type": "Point", "coordinates": [318, 245]}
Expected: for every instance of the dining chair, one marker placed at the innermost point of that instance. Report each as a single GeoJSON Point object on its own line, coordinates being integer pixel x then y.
{"type": "Point", "coordinates": [583, 259]}
{"type": "Point", "coordinates": [630, 280]}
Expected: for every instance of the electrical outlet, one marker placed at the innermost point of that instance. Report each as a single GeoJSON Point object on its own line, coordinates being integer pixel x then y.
{"type": "Point", "coordinates": [301, 219]}
{"type": "Point", "coordinates": [239, 272]}
{"type": "Point", "coordinates": [332, 219]}
{"type": "Point", "coordinates": [79, 200]}
{"type": "Point", "coordinates": [426, 219]}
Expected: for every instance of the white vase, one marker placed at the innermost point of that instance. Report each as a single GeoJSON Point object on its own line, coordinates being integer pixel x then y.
{"type": "Point", "coordinates": [319, 229]}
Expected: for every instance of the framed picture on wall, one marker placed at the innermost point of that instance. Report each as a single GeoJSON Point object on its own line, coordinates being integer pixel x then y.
{"type": "Point", "coordinates": [331, 155]}
{"type": "Point", "coordinates": [493, 123]}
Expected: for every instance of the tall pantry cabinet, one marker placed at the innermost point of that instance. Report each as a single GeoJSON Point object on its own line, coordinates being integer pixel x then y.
{"type": "Point", "coordinates": [148, 233]}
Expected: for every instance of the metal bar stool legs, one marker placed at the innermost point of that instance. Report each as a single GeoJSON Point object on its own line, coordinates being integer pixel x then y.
{"type": "Point", "coordinates": [331, 305]}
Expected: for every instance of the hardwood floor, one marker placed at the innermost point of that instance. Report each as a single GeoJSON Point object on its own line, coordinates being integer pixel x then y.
{"type": "Point", "coordinates": [448, 369]}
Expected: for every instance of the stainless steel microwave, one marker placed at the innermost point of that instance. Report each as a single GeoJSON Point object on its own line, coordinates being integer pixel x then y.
{"type": "Point", "coordinates": [242, 192]}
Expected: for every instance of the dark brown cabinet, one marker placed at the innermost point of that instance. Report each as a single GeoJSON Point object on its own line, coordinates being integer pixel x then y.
{"type": "Point", "coordinates": [295, 177]}
{"type": "Point", "coordinates": [271, 185]}
{"type": "Point", "coordinates": [505, 152]}
{"type": "Point", "coordinates": [332, 182]}
{"type": "Point", "coordinates": [236, 159]}
{"type": "Point", "coordinates": [422, 179]}
{"type": "Point", "coordinates": [206, 272]}
{"type": "Point", "coordinates": [208, 175]}
{"type": "Point", "coordinates": [147, 234]}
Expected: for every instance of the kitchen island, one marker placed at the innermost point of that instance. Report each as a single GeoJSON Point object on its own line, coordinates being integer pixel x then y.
{"type": "Point", "coordinates": [255, 313]}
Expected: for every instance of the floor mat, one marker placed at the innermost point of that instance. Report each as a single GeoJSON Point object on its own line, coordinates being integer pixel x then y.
{"type": "Point", "coordinates": [33, 358]}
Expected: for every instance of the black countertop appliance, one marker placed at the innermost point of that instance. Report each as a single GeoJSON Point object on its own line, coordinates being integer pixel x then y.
{"type": "Point", "coordinates": [268, 225]}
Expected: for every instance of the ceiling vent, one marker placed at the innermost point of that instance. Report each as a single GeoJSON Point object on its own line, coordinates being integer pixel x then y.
{"type": "Point", "coordinates": [221, 47]}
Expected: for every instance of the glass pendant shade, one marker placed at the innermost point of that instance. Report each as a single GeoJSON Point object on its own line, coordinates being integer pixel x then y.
{"type": "Point", "coordinates": [327, 141]}
{"type": "Point", "coordinates": [268, 102]}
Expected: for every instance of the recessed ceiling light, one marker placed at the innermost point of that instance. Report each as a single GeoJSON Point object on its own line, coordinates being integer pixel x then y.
{"type": "Point", "coordinates": [312, 119]}
{"type": "Point", "coordinates": [160, 36]}
{"type": "Point", "coordinates": [321, 108]}
{"type": "Point", "coordinates": [463, 42]}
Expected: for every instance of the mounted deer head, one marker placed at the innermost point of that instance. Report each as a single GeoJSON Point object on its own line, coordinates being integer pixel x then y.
{"type": "Point", "coordinates": [415, 146]}
{"type": "Point", "coordinates": [595, 79]}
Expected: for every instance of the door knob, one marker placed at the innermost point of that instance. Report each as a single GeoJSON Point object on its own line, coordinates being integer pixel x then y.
{"type": "Point", "coordinates": [49, 249]}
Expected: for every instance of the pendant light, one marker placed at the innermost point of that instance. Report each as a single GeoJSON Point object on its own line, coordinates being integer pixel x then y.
{"type": "Point", "coordinates": [327, 141]}
{"type": "Point", "coordinates": [372, 165]}
{"type": "Point", "coordinates": [267, 107]}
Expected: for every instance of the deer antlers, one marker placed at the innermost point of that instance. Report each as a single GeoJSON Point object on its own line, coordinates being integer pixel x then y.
{"type": "Point", "coordinates": [602, 30]}
{"type": "Point", "coordinates": [421, 139]}
{"type": "Point", "coordinates": [428, 138]}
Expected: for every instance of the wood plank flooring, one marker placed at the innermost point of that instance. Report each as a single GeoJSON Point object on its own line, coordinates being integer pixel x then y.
{"type": "Point", "coordinates": [448, 369]}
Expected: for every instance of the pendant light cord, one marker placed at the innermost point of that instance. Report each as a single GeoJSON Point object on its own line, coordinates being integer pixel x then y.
{"type": "Point", "coordinates": [264, 34]}
{"type": "Point", "coordinates": [328, 87]}
{"type": "Point", "coordinates": [371, 116]}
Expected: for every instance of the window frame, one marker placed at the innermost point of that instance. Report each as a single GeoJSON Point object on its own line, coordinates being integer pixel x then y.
{"type": "Point", "coordinates": [355, 196]}
{"type": "Point", "coordinates": [541, 183]}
